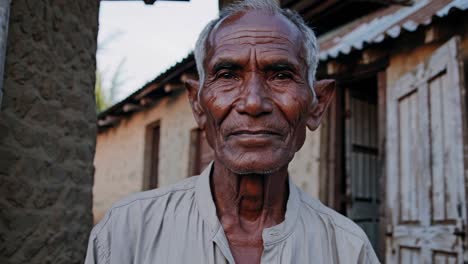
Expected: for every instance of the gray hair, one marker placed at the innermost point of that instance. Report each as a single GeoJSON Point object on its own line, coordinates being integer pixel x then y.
{"type": "Point", "coordinates": [270, 6]}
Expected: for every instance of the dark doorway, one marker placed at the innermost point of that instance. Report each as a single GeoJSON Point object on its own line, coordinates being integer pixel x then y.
{"type": "Point", "coordinates": [361, 156]}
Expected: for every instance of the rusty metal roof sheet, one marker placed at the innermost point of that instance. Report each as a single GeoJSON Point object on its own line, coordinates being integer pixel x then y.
{"type": "Point", "coordinates": [383, 24]}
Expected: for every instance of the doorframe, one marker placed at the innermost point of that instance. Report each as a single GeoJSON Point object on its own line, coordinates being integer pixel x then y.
{"type": "Point", "coordinates": [382, 119]}
{"type": "Point", "coordinates": [332, 179]}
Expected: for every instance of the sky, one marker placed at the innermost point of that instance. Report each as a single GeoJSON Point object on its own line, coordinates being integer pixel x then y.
{"type": "Point", "coordinates": [147, 39]}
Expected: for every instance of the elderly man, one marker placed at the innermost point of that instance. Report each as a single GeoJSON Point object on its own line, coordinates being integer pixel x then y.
{"type": "Point", "coordinates": [255, 97]}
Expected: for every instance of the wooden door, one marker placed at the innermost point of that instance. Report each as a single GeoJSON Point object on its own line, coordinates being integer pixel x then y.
{"type": "Point", "coordinates": [154, 169]}
{"type": "Point", "coordinates": [425, 185]}
{"type": "Point", "coordinates": [361, 157]}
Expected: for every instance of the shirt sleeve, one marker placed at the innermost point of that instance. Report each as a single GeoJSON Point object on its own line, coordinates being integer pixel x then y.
{"type": "Point", "coordinates": [367, 255]}
{"type": "Point", "coordinates": [98, 251]}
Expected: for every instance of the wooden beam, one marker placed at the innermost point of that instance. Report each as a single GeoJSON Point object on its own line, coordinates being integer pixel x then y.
{"type": "Point", "coordinates": [436, 33]}
{"type": "Point", "coordinates": [146, 101]}
{"type": "Point", "coordinates": [359, 71]}
{"type": "Point", "coordinates": [109, 121]}
{"type": "Point", "coordinates": [185, 76]}
{"type": "Point", "coordinates": [129, 107]}
{"type": "Point", "coordinates": [369, 56]}
{"type": "Point", "coordinates": [381, 128]}
{"type": "Point", "coordinates": [334, 68]}
{"type": "Point", "coordinates": [170, 87]}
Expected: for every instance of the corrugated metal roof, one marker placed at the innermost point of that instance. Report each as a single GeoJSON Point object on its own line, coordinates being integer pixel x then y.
{"type": "Point", "coordinates": [171, 73]}
{"type": "Point", "coordinates": [389, 22]}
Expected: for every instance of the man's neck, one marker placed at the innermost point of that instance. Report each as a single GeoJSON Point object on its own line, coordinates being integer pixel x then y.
{"type": "Point", "coordinates": [246, 204]}
{"type": "Point", "coordinates": [249, 200]}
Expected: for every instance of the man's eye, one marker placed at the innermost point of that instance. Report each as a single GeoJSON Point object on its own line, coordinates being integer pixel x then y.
{"type": "Point", "coordinates": [226, 75]}
{"type": "Point", "coordinates": [283, 76]}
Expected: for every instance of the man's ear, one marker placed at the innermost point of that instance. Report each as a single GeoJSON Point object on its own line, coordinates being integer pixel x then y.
{"type": "Point", "coordinates": [324, 90]}
{"type": "Point", "coordinates": [193, 86]}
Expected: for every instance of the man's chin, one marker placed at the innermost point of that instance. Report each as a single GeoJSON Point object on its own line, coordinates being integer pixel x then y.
{"type": "Point", "coordinates": [262, 171]}
{"type": "Point", "coordinates": [254, 167]}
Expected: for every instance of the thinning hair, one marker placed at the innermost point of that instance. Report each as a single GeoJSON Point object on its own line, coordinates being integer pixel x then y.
{"type": "Point", "coordinates": [309, 41]}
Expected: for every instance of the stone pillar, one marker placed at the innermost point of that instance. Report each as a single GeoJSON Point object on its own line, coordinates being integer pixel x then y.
{"type": "Point", "coordinates": [48, 131]}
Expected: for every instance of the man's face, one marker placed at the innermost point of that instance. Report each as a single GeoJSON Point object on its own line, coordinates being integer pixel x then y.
{"type": "Point", "coordinates": [256, 98]}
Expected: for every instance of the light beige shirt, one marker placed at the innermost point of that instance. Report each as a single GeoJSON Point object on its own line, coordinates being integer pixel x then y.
{"type": "Point", "coordinates": [178, 224]}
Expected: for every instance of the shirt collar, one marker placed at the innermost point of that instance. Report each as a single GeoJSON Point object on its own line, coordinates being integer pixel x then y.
{"type": "Point", "coordinates": [270, 235]}
{"type": "Point", "coordinates": [204, 199]}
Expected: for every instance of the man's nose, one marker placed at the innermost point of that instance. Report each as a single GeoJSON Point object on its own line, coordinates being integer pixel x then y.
{"type": "Point", "coordinates": [254, 98]}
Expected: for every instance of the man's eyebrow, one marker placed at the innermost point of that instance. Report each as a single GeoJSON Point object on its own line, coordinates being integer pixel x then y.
{"type": "Point", "coordinates": [226, 65]}
{"type": "Point", "coordinates": [280, 66]}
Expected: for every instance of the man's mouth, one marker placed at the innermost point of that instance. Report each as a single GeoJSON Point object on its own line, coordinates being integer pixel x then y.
{"type": "Point", "coordinates": [261, 132]}
{"type": "Point", "coordinates": [255, 137]}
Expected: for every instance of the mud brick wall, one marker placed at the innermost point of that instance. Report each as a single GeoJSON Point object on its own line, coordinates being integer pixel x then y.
{"type": "Point", "coordinates": [47, 131]}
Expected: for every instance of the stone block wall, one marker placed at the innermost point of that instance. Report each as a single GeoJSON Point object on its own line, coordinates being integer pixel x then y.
{"type": "Point", "coordinates": [47, 131]}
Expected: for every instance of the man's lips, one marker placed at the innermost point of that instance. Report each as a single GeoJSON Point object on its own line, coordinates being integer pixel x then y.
{"type": "Point", "coordinates": [255, 133]}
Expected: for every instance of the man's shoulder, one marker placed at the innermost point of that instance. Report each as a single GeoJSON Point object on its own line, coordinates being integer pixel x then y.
{"type": "Point", "coordinates": [145, 204]}
{"type": "Point", "coordinates": [129, 219]}
{"type": "Point", "coordinates": [336, 220]}
{"type": "Point", "coordinates": [149, 196]}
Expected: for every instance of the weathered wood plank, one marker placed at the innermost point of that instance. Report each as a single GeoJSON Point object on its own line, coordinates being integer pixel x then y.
{"type": "Point", "coordinates": [437, 150]}
{"type": "Point", "coordinates": [423, 156]}
{"type": "Point", "coordinates": [453, 145]}
{"type": "Point", "coordinates": [407, 167]}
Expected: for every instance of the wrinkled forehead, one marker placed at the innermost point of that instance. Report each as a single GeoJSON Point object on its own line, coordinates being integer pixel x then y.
{"type": "Point", "coordinates": [255, 24]}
